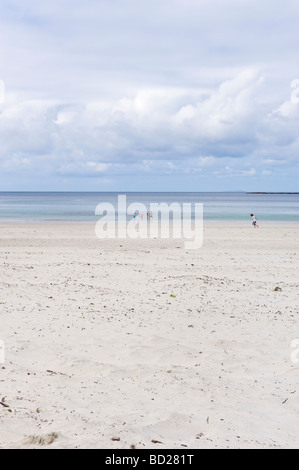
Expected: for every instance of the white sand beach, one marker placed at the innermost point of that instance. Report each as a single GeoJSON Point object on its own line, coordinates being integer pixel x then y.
{"type": "Point", "coordinates": [120, 343]}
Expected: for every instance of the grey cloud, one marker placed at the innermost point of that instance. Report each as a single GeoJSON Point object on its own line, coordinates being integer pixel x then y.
{"type": "Point", "coordinates": [121, 87]}
{"type": "Point", "coordinates": [155, 124]}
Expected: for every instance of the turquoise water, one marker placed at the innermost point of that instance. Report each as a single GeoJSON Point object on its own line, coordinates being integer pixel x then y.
{"type": "Point", "coordinates": [29, 207]}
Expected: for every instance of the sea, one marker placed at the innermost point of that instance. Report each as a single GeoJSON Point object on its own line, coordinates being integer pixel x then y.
{"type": "Point", "coordinates": [80, 207]}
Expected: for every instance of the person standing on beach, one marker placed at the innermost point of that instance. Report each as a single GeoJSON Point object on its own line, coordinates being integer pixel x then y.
{"type": "Point", "coordinates": [254, 221]}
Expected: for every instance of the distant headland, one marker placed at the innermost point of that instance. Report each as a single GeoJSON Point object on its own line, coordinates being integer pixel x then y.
{"type": "Point", "coordinates": [269, 193]}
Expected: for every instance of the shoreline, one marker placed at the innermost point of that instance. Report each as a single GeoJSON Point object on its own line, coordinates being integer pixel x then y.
{"type": "Point", "coordinates": [220, 222]}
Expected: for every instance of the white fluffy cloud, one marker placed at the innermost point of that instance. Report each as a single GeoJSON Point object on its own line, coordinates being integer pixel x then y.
{"type": "Point", "coordinates": [186, 128]}
{"type": "Point", "coordinates": [124, 89]}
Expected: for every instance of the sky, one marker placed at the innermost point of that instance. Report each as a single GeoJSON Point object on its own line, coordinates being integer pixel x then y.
{"type": "Point", "coordinates": [159, 95]}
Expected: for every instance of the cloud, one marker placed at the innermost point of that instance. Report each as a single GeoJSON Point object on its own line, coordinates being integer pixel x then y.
{"type": "Point", "coordinates": [118, 89]}
{"type": "Point", "coordinates": [180, 128]}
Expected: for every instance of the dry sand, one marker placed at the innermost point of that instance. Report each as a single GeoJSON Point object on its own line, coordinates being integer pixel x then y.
{"type": "Point", "coordinates": [115, 343]}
